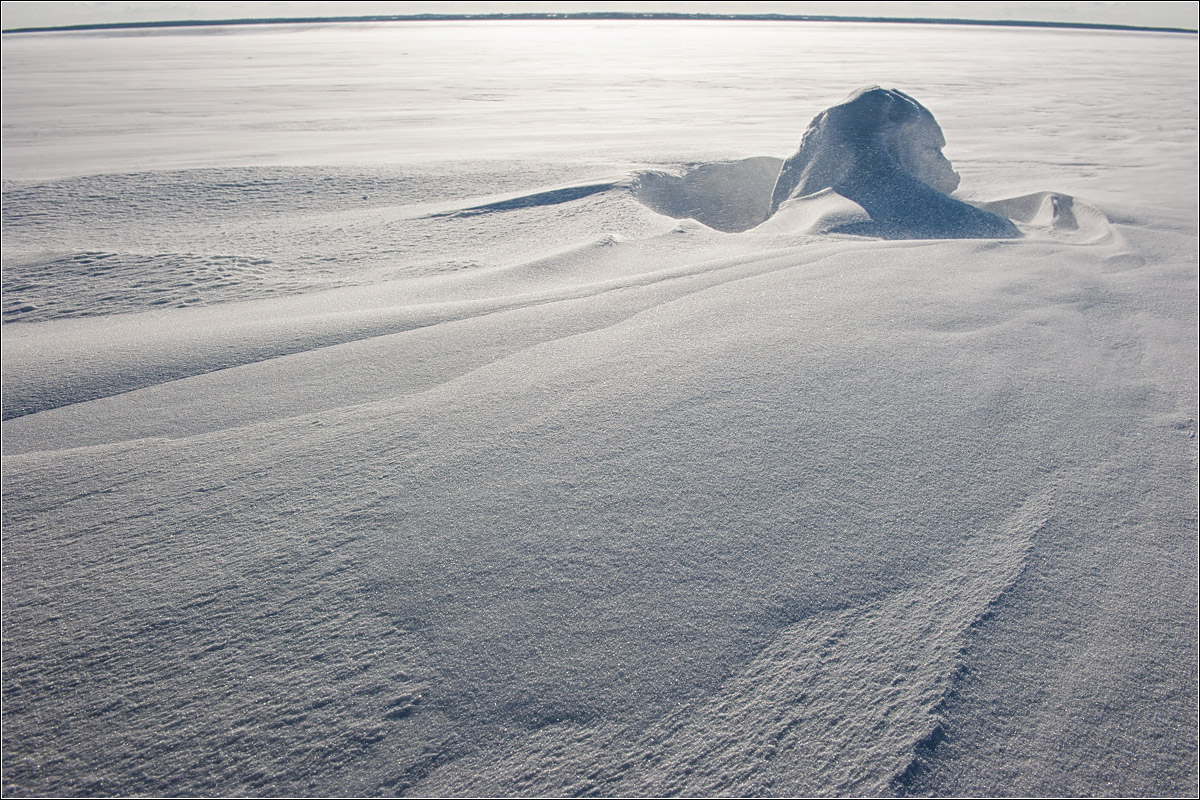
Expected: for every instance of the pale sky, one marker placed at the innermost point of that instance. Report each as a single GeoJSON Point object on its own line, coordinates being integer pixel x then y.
{"type": "Point", "coordinates": [15, 14]}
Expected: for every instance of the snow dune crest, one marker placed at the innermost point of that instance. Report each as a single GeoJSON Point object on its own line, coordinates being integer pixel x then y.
{"type": "Point", "coordinates": [876, 673]}
{"type": "Point", "coordinates": [1057, 215]}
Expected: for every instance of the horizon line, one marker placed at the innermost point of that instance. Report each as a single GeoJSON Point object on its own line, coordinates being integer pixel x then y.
{"type": "Point", "coordinates": [591, 15]}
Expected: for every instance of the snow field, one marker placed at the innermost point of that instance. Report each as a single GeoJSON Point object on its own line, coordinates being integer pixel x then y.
{"type": "Point", "coordinates": [531, 474]}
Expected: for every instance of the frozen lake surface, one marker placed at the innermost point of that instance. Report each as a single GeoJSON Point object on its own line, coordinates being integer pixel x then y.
{"type": "Point", "coordinates": [420, 409]}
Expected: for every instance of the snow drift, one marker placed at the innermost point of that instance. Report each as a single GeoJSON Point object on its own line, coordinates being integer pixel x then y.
{"type": "Point", "coordinates": [871, 165]}
{"type": "Point", "coordinates": [882, 150]}
{"type": "Point", "coordinates": [520, 477]}
{"type": "Point", "coordinates": [726, 196]}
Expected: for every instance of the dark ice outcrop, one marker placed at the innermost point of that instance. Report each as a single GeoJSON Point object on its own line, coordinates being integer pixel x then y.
{"type": "Point", "coordinates": [882, 150]}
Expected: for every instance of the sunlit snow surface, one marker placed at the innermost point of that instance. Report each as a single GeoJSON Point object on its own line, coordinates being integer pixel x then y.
{"type": "Point", "coordinates": [377, 421]}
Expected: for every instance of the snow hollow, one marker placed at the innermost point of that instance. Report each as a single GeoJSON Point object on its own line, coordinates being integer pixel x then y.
{"type": "Point", "coordinates": [537, 409]}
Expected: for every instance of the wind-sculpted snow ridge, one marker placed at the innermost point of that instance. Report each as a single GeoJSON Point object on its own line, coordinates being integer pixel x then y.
{"type": "Point", "coordinates": [875, 674]}
{"type": "Point", "coordinates": [729, 196]}
{"type": "Point", "coordinates": [871, 165]}
{"type": "Point", "coordinates": [882, 150]}
{"type": "Point", "coordinates": [550, 197]}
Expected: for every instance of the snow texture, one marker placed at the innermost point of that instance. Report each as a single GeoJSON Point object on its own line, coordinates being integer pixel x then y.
{"type": "Point", "coordinates": [627, 456]}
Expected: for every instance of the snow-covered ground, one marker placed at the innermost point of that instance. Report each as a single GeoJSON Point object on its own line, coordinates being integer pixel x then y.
{"type": "Point", "coordinates": [382, 417]}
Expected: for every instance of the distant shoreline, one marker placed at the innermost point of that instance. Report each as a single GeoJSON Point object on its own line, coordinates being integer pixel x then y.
{"type": "Point", "coordinates": [592, 16]}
